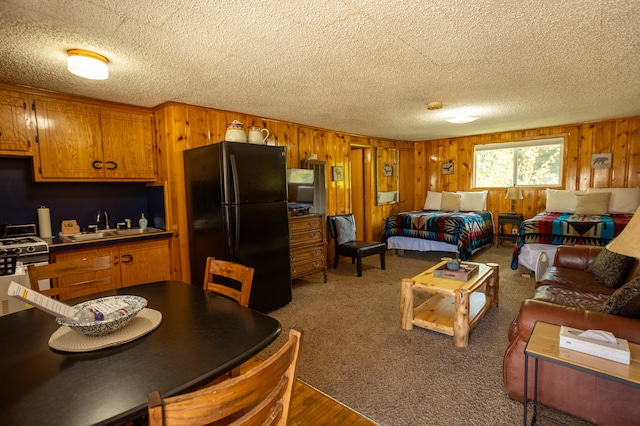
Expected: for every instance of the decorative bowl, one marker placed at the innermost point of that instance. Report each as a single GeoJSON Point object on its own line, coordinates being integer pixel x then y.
{"type": "Point", "coordinates": [101, 328]}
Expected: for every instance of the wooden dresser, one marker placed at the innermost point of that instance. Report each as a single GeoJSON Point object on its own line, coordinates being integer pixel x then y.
{"type": "Point", "coordinates": [308, 245]}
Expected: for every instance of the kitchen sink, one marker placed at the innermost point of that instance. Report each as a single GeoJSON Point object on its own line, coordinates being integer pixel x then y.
{"type": "Point", "coordinates": [89, 236]}
{"type": "Point", "coordinates": [86, 236]}
{"type": "Point", "coordinates": [137, 231]}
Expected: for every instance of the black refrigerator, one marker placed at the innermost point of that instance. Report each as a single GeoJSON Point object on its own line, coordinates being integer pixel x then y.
{"type": "Point", "coordinates": [236, 197]}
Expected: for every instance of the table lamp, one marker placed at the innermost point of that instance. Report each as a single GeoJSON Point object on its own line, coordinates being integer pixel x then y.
{"type": "Point", "coordinates": [628, 241]}
{"type": "Point", "coordinates": [514, 193]}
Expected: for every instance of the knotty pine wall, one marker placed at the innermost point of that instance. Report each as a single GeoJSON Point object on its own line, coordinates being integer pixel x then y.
{"type": "Point", "coordinates": [621, 137]}
{"type": "Point", "coordinates": [181, 127]}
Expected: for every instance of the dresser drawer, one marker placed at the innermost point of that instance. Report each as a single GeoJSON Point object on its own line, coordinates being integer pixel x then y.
{"type": "Point", "coordinates": [305, 224]}
{"type": "Point", "coordinates": [307, 237]}
{"type": "Point", "coordinates": [304, 268]}
{"type": "Point", "coordinates": [306, 253]}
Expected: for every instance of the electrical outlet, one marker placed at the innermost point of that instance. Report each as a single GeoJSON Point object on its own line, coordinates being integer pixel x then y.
{"type": "Point", "coordinates": [514, 231]}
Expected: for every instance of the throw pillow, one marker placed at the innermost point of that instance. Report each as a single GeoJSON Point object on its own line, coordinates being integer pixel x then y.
{"type": "Point", "coordinates": [625, 301]}
{"type": "Point", "coordinates": [450, 202]}
{"type": "Point", "coordinates": [433, 201]}
{"type": "Point", "coordinates": [473, 201]}
{"type": "Point", "coordinates": [610, 268]}
{"type": "Point", "coordinates": [593, 203]}
{"type": "Point", "coordinates": [345, 228]}
{"type": "Point", "coordinates": [623, 200]}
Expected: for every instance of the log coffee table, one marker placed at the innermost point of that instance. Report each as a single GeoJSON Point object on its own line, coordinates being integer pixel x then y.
{"type": "Point", "coordinates": [454, 307]}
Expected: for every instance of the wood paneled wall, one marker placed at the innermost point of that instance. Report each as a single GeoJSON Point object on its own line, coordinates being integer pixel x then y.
{"type": "Point", "coordinates": [181, 127]}
{"type": "Point", "coordinates": [621, 137]}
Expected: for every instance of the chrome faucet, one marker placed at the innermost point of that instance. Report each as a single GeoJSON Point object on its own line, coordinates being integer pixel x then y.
{"type": "Point", "coordinates": [106, 219]}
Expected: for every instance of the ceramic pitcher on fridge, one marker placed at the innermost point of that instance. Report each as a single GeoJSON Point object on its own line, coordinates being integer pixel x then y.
{"type": "Point", "coordinates": [235, 132]}
{"type": "Point", "coordinates": [255, 135]}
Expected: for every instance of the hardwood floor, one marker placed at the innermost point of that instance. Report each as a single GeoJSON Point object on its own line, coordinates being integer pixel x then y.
{"type": "Point", "coordinates": [309, 406]}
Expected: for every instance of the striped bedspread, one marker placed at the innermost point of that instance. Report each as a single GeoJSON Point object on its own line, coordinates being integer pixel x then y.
{"type": "Point", "coordinates": [569, 229]}
{"type": "Point", "coordinates": [466, 230]}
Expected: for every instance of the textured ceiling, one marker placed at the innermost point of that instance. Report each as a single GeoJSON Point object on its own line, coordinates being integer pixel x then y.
{"type": "Point", "coordinates": [358, 66]}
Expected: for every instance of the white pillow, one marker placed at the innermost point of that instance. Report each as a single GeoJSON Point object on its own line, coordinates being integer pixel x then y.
{"type": "Point", "coordinates": [561, 200]}
{"type": "Point", "coordinates": [622, 200]}
{"type": "Point", "coordinates": [433, 201]}
{"type": "Point", "coordinates": [473, 201]}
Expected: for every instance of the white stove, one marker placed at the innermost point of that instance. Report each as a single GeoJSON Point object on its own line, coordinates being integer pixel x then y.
{"type": "Point", "coordinates": [21, 241]}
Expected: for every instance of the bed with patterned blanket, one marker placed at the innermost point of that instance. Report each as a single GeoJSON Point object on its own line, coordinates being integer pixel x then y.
{"type": "Point", "coordinates": [463, 232]}
{"type": "Point", "coordinates": [556, 228]}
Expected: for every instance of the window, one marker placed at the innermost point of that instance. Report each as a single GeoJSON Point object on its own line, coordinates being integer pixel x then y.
{"type": "Point", "coordinates": [530, 163]}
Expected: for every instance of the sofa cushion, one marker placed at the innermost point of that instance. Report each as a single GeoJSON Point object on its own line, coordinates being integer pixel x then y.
{"type": "Point", "coordinates": [610, 268]}
{"type": "Point", "coordinates": [625, 301]}
{"type": "Point", "coordinates": [569, 297]}
{"type": "Point", "coordinates": [573, 279]}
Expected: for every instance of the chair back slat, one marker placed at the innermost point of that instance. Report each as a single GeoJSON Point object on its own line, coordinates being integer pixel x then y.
{"type": "Point", "coordinates": [73, 278]}
{"type": "Point", "coordinates": [231, 271]}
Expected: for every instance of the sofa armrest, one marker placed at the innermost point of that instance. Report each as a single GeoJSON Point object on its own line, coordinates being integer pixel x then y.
{"type": "Point", "coordinates": [575, 257]}
{"type": "Point", "coordinates": [535, 310]}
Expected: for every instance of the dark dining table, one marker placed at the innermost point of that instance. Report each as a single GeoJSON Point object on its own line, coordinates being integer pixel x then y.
{"type": "Point", "coordinates": [201, 337]}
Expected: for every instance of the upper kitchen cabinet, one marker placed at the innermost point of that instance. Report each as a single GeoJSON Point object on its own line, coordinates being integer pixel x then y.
{"type": "Point", "coordinates": [17, 127]}
{"type": "Point", "coordinates": [86, 142]}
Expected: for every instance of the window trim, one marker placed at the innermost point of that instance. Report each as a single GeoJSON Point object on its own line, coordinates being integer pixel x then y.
{"type": "Point", "coordinates": [519, 143]}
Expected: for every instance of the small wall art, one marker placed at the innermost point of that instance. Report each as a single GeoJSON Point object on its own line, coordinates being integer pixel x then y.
{"type": "Point", "coordinates": [447, 168]}
{"type": "Point", "coordinates": [338, 173]}
{"type": "Point", "coordinates": [387, 171]}
{"type": "Point", "coordinates": [601, 160]}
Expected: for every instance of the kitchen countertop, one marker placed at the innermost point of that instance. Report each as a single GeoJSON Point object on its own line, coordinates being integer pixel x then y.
{"type": "Point", "coordinates": [56, 242]}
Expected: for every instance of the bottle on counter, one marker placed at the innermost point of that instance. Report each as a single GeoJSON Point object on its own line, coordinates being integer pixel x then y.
{"type": "Point", "coordinates": [143, 222]}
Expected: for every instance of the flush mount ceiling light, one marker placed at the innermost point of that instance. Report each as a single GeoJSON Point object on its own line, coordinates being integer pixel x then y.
{"type": "Point", "coordinates": [461, 119]}
{"type": "Point", "coordinates": [87, 64]}
{"type": "Point", "coordinates": [434, 105]}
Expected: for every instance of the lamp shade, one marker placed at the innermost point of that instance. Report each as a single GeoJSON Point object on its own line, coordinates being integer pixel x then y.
{"type": "Point", "coordinates": [514, 193]}
{"type": "Point", "coordinates": [628, 241]}
{"type": "Point", "coordinates": [87, 64]}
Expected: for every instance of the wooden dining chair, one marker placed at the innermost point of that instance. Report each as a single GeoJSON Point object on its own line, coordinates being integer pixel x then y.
{"type": "Point", "coordinates": [342, 228]}
{"type": "Point", "coordinates": [73, 278]}
{"type": "Point", "coordinates": [240, 276]}
{"type": "Point", "coordinates": [263, 394]}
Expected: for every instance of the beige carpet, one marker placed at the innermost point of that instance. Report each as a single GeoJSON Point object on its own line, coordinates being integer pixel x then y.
{"type": "Point", "coordinates": [355, 350]}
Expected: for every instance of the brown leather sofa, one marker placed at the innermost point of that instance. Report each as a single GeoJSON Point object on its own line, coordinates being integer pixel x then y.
{"type": "Point", "coordinates": [568, 295]}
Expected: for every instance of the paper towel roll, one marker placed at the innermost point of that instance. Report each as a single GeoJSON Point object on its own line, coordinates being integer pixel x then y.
{"type": "Point", "coordinates": [44, 222]}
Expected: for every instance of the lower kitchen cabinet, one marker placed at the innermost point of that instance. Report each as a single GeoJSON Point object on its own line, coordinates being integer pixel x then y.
{"type": "Point", "coordinates": [134, 263]}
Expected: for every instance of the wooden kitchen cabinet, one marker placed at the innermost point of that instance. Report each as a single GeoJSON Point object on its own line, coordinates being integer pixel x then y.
{"type": "Point", "coordinates": [86, 142]}
{"type": "Point", "coordinates": [144, 261]}
{"type": "Point", "coordinates": [134, 262]}
{"type": "Point", "coordinates": [111, 251]}
{"type": "Point", "coordinates": [17, 126]}
{"type": "Point", "coordinates": [307, 245]}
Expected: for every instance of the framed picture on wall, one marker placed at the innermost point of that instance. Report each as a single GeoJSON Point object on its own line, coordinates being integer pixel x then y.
{"type": "Point", "coordinates": [387, 171]}
{"type": "Point", "coordinates": [601, 160]}
{"type": "Point", "coordinates": [447, 168]}
{"type": "Point", "coordinates": [338, 173]}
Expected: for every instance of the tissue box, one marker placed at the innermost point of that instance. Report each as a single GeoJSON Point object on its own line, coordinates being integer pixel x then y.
{"type": "Point", "coordinates": [619, 352]}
